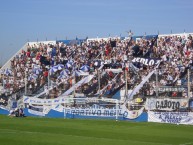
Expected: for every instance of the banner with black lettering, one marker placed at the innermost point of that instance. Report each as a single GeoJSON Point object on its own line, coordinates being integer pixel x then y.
{"type": "Point", "coordinates": [94, 110]}
{"type": "Point", "coordinates": [172, 89]}
{"type": "Point", "coordinates": [166, 104]}
{"type": "Point", "coordinates": [171, 117]}
{"type": "Point", "coordinates": [147, 61]}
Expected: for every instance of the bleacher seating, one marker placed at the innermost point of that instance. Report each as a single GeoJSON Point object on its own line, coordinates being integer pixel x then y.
{"type": "Point", "coordinates": [38, 66]}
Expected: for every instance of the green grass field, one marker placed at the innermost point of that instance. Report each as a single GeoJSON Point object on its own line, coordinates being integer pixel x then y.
{"type": "Point", "coordinates": [46, 131]}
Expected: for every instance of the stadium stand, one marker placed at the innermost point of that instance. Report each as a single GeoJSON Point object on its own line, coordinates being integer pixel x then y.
{"type": "Point", "coordinates": [49, 69]}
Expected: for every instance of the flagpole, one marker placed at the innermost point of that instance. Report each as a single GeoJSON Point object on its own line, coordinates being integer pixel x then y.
{"type": "Point", "coordinates": [100, 91]}
{"type": "Point", "coordinates": [188, 83]}
{"type": "Point", "coordinates": [98, 55]}
{"type": "Point", "coordinates": [116, 110]}
{"type": "Point", "coordinates": [3, 82]}
{"type": "Point", "coordinates": [25, 81]}
{"type": "Point", "coordinates": [74, 81]}
{"type": "Point", "coordinates": [64, 110]}
{"type": "Point", "coordinates": [48, 79]}
{"type": "Point", "coordinates": [156, 82]}
{"type": "Point", "coordinates": [74, 84]}
{"type": "Point", "coordinates": [99, 81]}
{"type": "Point", "coordinates": [126, 87]}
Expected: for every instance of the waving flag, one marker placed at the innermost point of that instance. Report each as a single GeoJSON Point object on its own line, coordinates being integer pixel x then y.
{"type": "Point", "coordinates": [65, 72]}
{"type": "Point", "coordinates": [32, 77]}
{"type": "Point", "coordinates": [53, 69]}
{"type": "Point", "coordinates": [8, 72]}
{"type": "Point", "coordinates": [97, 63]}
{"type": "Point", "coordinates": [85, 68]}
{"type": "Point", "coordinates": [80, 73]}
{"type": "Point", "coordinates": [37, 71]}
{"type": "Point", "coordinates": [60, 66]}
{"type": "Point", "coordinates": [69, 65]}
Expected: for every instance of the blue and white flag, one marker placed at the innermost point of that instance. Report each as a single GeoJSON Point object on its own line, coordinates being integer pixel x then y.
{"type": "Point", "coordinates": [7, 72]}
{"type": "Point", "coordinates": [35, 66]}
{"type": "Point", "coordinates": [69, 65]}
{"type": "Point", "coordinates": [60, 66]}
{"type": "Point", "coordinates": [36, 110]}
{"type": "Point", "coordinates": [81, 73]}
{"type": "Point", "coordinates": [32, 77]}
{"type": "Point", "coordinates": [37, 71]}
{"type": "Point", "coordinates": [64, 74]}
{"type": "Point", "coordinates": [85, 68]}
{"type": "Point", "coordinates": [53, 69]}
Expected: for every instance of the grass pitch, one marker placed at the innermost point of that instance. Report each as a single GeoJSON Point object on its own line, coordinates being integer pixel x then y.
{"type": "Point", "coordinates": [47, 131]}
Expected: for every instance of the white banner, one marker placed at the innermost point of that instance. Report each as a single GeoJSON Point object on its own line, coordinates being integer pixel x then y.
{"type": "Point", "coordinates": [171, 117]}
{"type": "Point", "coordinates": [131, 114]}
{"type": "Point", "coordinates": [171, 89]}
{"type": "Point", "coordinates": [37, 101]}
{"type": "Point", "coordinates": [4, 108]}
{"type": "Point", "coordinates": [138, 87]}
{"type": "Point", "coordinates": [70, 99]}
{"type": "Point", "coordinates": [94, 110]}
{"type": "Point", "coordinates": [81, 82]}
{"type": "Point", "coordinates": [165, 104]}
{"type": "Point", "coordinates": [114, 70]}
{"type": "Point", "coordinates": [42, 107]}
{"type": "Point", "coordinates": [81, 73]}
{"type": "Point", "coordinates": [46, 109]}
{"type": "Point", "coordinates": [147, 61]}
{"type": "Point", "coordinates": [99, 111]}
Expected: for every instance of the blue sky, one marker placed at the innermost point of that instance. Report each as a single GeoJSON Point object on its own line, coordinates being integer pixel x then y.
{"type": "Point", "coordinates": [23, 20]}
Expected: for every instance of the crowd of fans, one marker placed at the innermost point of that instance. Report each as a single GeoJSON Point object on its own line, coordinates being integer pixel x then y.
{"type": "Point", "coordinates": [35, 64]}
